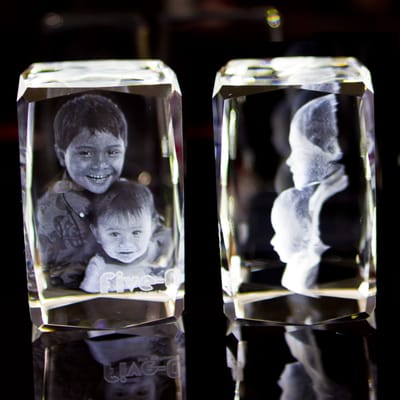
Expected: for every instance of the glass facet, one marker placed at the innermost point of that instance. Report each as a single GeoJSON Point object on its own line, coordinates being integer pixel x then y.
{"type": "Point", "coordinates": [295, 170]}
{"type": "Point", "coordinates": [101, 168]}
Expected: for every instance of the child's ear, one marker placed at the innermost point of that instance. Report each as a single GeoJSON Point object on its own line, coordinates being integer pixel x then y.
{"type": "Point", "coordinates": [94, 231]}
{"type": "Point", "coordinates": [60, 155]}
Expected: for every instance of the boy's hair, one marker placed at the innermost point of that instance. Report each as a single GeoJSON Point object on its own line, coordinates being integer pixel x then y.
{"type": "Point", "coordinates": [126, 198]}
{"type": "Point", "coordinates": [317, 121]}
{"type": "Point", "coordinates": [92, 111]}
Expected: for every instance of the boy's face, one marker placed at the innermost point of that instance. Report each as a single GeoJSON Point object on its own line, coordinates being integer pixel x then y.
{"type": "Point", "coordinates": [124, 238]}
{"type": "Point", "coordinates": [307, 162]}
{"type": "Point", "coordinates": [94, 161]}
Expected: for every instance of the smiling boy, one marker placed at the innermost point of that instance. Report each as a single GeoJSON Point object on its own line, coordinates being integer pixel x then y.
{"type": "Point", "coordinates": [90, 139]}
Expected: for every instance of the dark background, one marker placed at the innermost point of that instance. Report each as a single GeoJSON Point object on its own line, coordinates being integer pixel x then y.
{"type": "Point", "coordinates": [196, 43]}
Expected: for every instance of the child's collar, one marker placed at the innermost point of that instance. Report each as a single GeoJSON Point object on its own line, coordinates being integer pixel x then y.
{"type": "Point", "coordinates": [65, 185]}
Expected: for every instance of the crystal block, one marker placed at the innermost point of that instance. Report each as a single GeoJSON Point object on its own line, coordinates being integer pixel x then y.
{"type": "Point", "coordinates": [101, 173]}
{"type": "Point", "coordinates": [295, 170]}
{"type": "Point", "coordinates": [134, 363]}
{"type": "Point", "coordinates": [303, 362]}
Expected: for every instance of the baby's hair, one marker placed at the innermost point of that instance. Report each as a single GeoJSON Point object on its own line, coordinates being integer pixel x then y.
{"type": "Point", "coordinates": [124, 198]}
{"type": "Point", "coordinates": [92, 111]}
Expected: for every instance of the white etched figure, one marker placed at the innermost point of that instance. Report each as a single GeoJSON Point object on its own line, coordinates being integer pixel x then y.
{"type": "Point", "coordinates": [317, 175]}
{"type": "Point", "coordinates": [296, 241]}
{"type": "Point", "coordinates": [90, 141]}
{"type": "Point", "coordinates": [313, 139]}
{"type": "Point", "coordinates": [135, 245]}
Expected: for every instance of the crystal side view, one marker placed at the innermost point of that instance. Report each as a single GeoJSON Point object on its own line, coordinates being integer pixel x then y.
{"type": "Point", "coordinates": [295, 169]}
{"type": "Point", "coordinates": [101, 166]}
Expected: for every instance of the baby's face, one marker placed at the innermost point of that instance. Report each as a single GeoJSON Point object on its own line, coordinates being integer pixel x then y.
{"type": "Point", "coordinates": [124, 238]}
{"type": "Point", "coordinates": [94, 161]}
{"type": "Point", "coordinates": [292, 230]}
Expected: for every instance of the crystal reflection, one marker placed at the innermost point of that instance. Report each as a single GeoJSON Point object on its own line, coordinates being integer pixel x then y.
{"type": "Point", "coordinates": [135, 364]}
{"type": "Point", "coordinates": [303, 363]}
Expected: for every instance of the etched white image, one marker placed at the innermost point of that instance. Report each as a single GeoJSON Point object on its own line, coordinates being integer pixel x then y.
{"type": "Point", "coordinates": [90, 140]}
{"type": "Point", "coordinates": [98, 225]}
{"type": "Point", "coordinates": [317, 173]}
{"type": "Point", "coordinates": [313, 138]}
{"type": "Point", "coordinates": [296, 241]}
{"type": "Point", "coordinates": [134, 241]}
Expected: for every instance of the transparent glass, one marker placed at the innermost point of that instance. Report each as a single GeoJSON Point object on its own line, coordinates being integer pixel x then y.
{"type": "Point", "coordinates": [136, 363]}
{"type": "Point", "coordinates": [101, 167]}
{"type": "Point", "coordinates": [295, 171]}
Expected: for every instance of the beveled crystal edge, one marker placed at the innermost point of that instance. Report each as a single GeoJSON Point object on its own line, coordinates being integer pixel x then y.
{"type": "Point", "coordinates": [31, 91]}
{"type": "Point", "coordinates": [356, 84]}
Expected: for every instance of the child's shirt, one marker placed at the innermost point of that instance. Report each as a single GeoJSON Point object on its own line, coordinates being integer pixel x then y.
{"type": "Point", "coordinates": [64, 235]}
{"type": "Point", "coordinates": [104, 275]}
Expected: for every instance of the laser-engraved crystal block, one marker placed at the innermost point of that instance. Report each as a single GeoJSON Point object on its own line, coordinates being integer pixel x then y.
{"type": "Point", "coordinates": [134, 363]}
{"type": "Point", "coordinates": [101, 168]}
{"type": "Point", "coordinates": [295, 170]}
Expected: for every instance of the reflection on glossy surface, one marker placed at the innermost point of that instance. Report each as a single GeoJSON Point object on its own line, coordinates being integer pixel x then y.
{"type": "Point", "coordinates": [136, 364]}
{"type": "Point", "coordinates": [307, 375]}
{"type": "Point", "coordinates": [293, 363]}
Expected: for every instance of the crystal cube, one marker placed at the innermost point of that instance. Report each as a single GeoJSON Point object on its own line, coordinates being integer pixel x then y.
{"type": "Point", "coordinates": [295, 169]}
{"type": "Point", "coordinates": [101, 173]}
